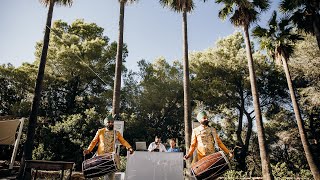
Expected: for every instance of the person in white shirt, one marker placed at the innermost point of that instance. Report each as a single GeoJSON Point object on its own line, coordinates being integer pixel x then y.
{"type": "Point", "coordinates": [157, 146]}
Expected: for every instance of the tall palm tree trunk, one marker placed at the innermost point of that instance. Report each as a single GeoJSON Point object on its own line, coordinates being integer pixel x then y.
{"type": "Point", "coordinates": [265, 162]}
{"type": "Point", "coordinates": [186, 86]}
{"type": "Point", "coordinates": [313, 167]}
{"type": "Point", "coordinates": [117, 79]}
{"type": "Point", "coordinates": [28, 147]}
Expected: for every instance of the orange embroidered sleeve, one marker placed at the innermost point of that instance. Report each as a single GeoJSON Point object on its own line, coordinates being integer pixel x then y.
{"type": "Point", "coordinates": [220, 144]}
{"type": "Point", "coordinates": [193, 144]}
{"type": "Point", "coordinates": [94, 141]}
{"type": "Point", "coordinates": [122, 140]}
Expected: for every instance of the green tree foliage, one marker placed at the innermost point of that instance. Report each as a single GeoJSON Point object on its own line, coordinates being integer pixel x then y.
{"type": "Point", "coordinates": [79, 71]}
{"type": "Point", "coordinates": [284, 138]}
{"type": "Point", "coordinates": [305, 63]}
{"type": "Point", "coordinates": [232, 174]}
{"type": "Point", "coordinates": [14, 86]}
{"type": "Point", "coordinates": [305, 15]}
{"type": "Point", "coordinates": [15, 90]}
{"type": "Point", "coordinates": [66, 140]}
{"type": "Point", "coordinates": [154, 105]}
{"type": "Point", "coordinates": [280, 170]}
{"type": "Point", "coordinates": [79, 76]}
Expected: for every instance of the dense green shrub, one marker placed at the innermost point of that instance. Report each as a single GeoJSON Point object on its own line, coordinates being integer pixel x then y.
{"type": "Point", "coordinates": [232, 174]}
{"type": "Point", "coordinates": [123, 163]}
{"type": "Point", "coordinates": [66, 140]}
{"type": "Point", "coordinates": [281, 170]}
{"type": "Point", "coordinates": [305, 173]}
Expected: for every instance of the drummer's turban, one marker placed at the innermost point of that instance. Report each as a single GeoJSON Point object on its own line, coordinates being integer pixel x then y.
{"type": "Point", "coordinates": [201, 114]}
{"type": "Point", "coordinates": [108, 118]}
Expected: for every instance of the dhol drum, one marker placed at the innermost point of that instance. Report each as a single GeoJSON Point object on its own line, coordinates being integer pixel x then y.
{"type": "Point", "coordinates": [211, 166]}
{"type": "Point", "coordinates": [100, 165]}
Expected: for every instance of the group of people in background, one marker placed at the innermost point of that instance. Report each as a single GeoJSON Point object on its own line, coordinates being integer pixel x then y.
{"type": "Point", "coordinates": [203, 141]}
{"type": "Point", "coordinates": [157, 146]}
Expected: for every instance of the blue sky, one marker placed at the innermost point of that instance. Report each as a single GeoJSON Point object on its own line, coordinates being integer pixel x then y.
{"type": "Point", "coordinates": [151, 31]}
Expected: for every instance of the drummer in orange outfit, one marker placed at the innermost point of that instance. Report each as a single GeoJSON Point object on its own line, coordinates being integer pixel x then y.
{"type": "Point", "coordinates": [105, 139]}
{"type": "Point", "coordinates": [202, 139]}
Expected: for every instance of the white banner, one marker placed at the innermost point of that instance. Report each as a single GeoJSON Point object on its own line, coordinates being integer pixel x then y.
{"type": "Point", "coordinates": [143, 165]}
{"type": "Point", "coordinates": [119, 126]}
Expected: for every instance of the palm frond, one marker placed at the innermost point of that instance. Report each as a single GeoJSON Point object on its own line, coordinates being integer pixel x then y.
{"type": "Point", "coordinates": [263, 5]}
{"type": "Point", "coordinates": [279, 37]}
{"type": "Point", "coordinates": [287, 50]}
{"type": "Point", "coordinates": [224, 12]}
{"type": "Point", "coordinates": [290, 5]}
{"type": "Point", "coordinates": [45, 2]}
{"type": "Point", "coordinates": [295, 37]}
{"type": "Point", "coordinates": [285, 23]}
{"type": "Point", "coordinates": [64, 2]}
{"type": "Point", "coordinates": [223, 1]}
{"type": "Point", "coordinates": [272, 22]}
{"type": "Point", "coordinates": [302, 21]}
{"type": "Point", "coordinates": [244, 4]}
{"type": "Point", "coordinates": [58, 2]}
{"type": "Point", "coordinates": [178, 5]}
{"type": "Point", "coordinates": [259, 32]}
{"type": "Point", "coordinates": [129, 1]}
{"type": "Point", "coordinates": [236, 18]}
{"type": "Point", "coordinates": [242, 12]}
{"type": "Point", "coordinates": [265, 40]}
{"type": "Point", "coordinates": [252, 16]}
{"type": "Point", "coordinates": [268, 45]}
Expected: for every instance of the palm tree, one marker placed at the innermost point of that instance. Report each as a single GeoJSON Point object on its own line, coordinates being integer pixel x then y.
{"type": "Point", "coordinates": [184, 6]}
{"type": "Point", "coordinates": [117, 79]}
{"type": "Point", "coordinates": [305, 15]}
{"type": "Point", "coordinates": [279, 41]}
{"type": "Point", "coordinates": [28, 147]}
{"type": "Point", "coordinates": [243, 13]}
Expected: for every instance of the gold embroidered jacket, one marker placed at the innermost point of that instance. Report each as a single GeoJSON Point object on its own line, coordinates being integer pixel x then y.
{"type": "Point", "coordinates": [202, 139]}
{"type": "Point", "coordinates": [106, 138]}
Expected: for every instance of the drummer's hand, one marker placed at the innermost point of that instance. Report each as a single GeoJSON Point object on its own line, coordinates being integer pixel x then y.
{"type": "Point", "coordinates": [230, 155]}
{"type": "Point", "coordinates": [86, 151]}
{"type": "Point", "coordinates": [185, 157]}
{"type": "Point", "coordinates": [131, 150]}
{"type": "Point", "coordinates": [157, 147]}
